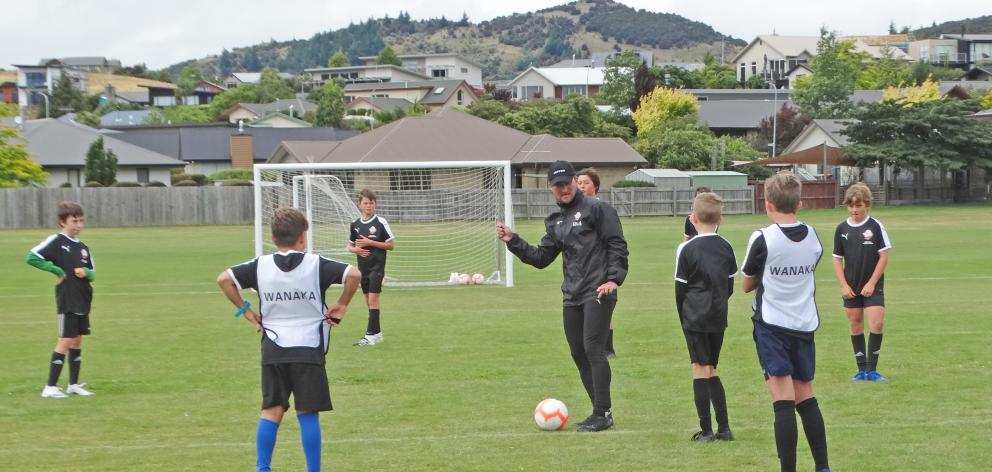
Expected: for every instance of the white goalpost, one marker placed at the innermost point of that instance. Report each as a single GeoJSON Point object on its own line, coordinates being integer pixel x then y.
{"type": "Point", "coordinates": [443, 214]}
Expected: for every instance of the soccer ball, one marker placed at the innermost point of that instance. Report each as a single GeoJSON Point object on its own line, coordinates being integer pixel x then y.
{"type": "Point", "coordinates": [463, 278]}
{"type": "Point", "coordinates": [478, 278]}
{"type": "Point", "coordinates": [551, 414]}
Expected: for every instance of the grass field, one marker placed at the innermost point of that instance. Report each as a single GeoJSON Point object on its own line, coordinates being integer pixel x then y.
{"type": "Point", "coordinates": [454, 384]}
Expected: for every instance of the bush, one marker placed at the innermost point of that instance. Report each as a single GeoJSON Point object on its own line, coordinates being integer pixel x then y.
{"type": "Point", "coordinates": [633, 183]}
{"type": "Point", "coordinates": [237, 174]}
{"type": "Point", "coordinates": [200, 179]}
{"type": "Point", "coordinates": [155, 183]}
{"type": "Point", "coordinates": [236, 183]}
{"type": "Point", "coordinates": [176, 170]}
{"type": "Point", "coordinates": [66, 185]}
{"type": "Point", "coordinates": [186, 183]}
{"type": "Point", "coordinates": [125, 184]}
{"type": "Point", "coordinates": [93, 183]}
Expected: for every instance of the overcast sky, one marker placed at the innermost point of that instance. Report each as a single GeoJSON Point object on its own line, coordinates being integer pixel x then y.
{"type": "Point", "coordinates": [163, 33]}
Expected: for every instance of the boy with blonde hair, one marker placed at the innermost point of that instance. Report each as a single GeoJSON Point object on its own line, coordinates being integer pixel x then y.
{"type": "Point", "coordinates": [780, 264]}
{"type": "Point", "coordinates": [705, 267]}
{"type": "Point", "coordinates": [861, 252]}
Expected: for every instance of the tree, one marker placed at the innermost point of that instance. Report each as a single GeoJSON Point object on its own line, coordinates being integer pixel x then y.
{"type": "Point", "coordinates": [191, 75]}
{"type": "Point", "coordinates": [66, 97]}
{"type": "Point", "coordinates": [662, 106]}
{"type": "Point", "coordinates": [181, 114]}
{"type": "Point", "coordinates": [16, 167]}
{"type": "Point", "coordinates": [884, 72]}
{"type": "Point", "coordinates": [88, 118]}
{"type": "Point", "coordinates": [330, 110]}
{"type": "Point", "coordinates": [644, 84]}
{"type": "Point", "coordinates": [785, 128]}
{"type": "Point", "coordinates": [271, 87]}
{"type": "Point", "coordinates": [756, 81]}
{"type": "Point", "coordinates": [681, 144]}
{"type": "Point", "coordinates": [826, 94]}
{"type": "Point", "coordinates": [987, 101]}
{"type": "Point", "coordinates": [388, 56]}
{"type": "Point", "coordinates": [489, 109]}
{"type": "Point", "coordinates": [339, 59]}
{"type": "Point", "coordinates": [225, 63]}
{"type": "Point", "coordinates": [618, 80]}
{"type": "Point", "coordinates": [101, 164]}
{"type": "Point", "coordinates": [576, 116]}
{"type": "Point", "coordinates": [676, 77]}
{"type": "Point", "coordinates": [928, 91]}
{"type": "Point", "coordinates": [246, 93]}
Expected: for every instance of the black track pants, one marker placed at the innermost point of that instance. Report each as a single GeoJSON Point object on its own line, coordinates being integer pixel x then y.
{"type": "Point", "coordinates": [587, 328]}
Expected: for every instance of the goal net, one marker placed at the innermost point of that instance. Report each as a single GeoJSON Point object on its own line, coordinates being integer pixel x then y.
{"type": "Point", "coordinates": [443, 215]}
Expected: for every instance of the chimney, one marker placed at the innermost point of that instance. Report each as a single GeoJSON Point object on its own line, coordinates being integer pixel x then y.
{"type": "Point", "coordinates": [242, 151]}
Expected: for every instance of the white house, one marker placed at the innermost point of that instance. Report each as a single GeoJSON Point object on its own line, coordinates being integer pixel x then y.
{"type": "Point", "coordinates": [773, 56]}
{"type": "Point", "coordinates": [442, 66]}
{"type": "Point", "coordinates": [557, 82]}
{"type": "Point", "coordinates": [363, 74]}
{"type": "Point", "coordinates": [240, 78]}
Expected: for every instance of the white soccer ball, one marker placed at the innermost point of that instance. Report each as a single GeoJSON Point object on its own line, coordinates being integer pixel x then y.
{"type": "Point", "coordinates": [551, 414]}
{"type": "Point", "coordinates": [463, 278]}
{"type": "Point", "coordinates": [478, 278]}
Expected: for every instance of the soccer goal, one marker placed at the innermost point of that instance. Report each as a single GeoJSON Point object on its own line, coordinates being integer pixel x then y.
{"type": "Point", "coordinates": [443, 214]}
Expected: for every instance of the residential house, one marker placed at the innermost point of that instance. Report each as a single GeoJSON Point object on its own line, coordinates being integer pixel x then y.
{"type": "Point", "coordinates": [241, 78]}
{"type": "Point", "coordinates": [36, 82]}
{"type": "Point", "coordinates": [61, 146]}
{"type": "Point", "coordinates": [740, 118]}
{"type": "Point", "coordinates": [599, 59]}
{"type": "Point", "coordinates": [430, 93]}
{"type": "Point", "coordinates": [88, 64]}
{"type": "Point", "coordinates": [978, 73]}
{"type": "Point", "coordinates": [206, 149]}
{"type": "Point", "coordinates": [377, 104]}
{"type": "Point", "coordinates": [363, 74]}
{"type": "Point", "coordinates": [939, 51]}
{"type": "Point", "coordinates": [441, 66]}
{"type": "Point", "coordinates": [277, 119]}
{"type": "Point", "coordinates": [557, 82]}
{"type": "Point", "coordinates": [451, 135]}
{"type": "Point", "coordinates": [976, 47]}
{"type": "Point", "coordinates": [797, 72]}
{"type": "Point", "coordinates": [249, 112]}
{"type": "Point", "coordinates": [203, 93]}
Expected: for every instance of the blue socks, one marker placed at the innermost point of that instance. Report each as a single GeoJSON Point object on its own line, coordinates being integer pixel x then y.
{"type": "Point", "coordinates": [310, 437]}
{"type": "Point", "coordinates": [265, 443]}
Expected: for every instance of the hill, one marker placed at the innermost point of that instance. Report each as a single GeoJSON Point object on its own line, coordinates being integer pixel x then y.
{"type": "Point", "coordinates": [981, 24]}
{"type": "Point", "coordinates": [504, 45]}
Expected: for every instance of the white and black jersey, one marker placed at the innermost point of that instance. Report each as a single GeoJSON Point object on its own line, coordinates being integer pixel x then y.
{"type": "Point", "coordinates": [784, 257]}
{"type": "Point", "coordinates": [74, 294]}
{"type": "Point", "coordinates": [291, 288]}
{"type": "Point", "coordinates": [377, 229]}
{"type": "Point", "coordinates": [705, 267]}
{"type": "Point", "coordinates": [859, 245]}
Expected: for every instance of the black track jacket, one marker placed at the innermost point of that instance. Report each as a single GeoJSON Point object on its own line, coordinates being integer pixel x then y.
{"type": "Point", "coordinates": [588, 233]}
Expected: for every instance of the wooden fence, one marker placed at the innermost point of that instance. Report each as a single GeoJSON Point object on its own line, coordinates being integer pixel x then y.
{"type": "Point", "coordinates": [816, 194]}
{"type": "Point", "coordinates": [636, 201]}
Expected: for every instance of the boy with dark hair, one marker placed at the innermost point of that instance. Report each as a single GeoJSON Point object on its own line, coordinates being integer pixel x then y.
{"type": "Point", "coordinates": [690, 230]}
{"type": "Point", "coordinates": [705, 267]}
{"type": "Point", "coordinates": [780, 262]}
{"type": "Point", "coordinates": [297, 323]}
{"type": "Point", "coordinates": [861, 252]}
{"type": "Point", "coordinates": [70, 260]}
{"type": "Point", "coordinates": [369, 238]}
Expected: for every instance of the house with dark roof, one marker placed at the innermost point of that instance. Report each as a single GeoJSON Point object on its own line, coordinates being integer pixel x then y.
{"type": "Point", "coordinates": [203, 93]}
{"type": "Point", "coordinates": [977, 73]}
{"type": "Point", "coordinates": [206, 149]}
{"type": "Point", "coordinates": [738, 117]}
{"type": "Point", "coordinates": [430, 93]}
{"type": "Point", "coordinates": [249, 112]}
{"type": "Point", "coordinates": [448, 134]}
{"type": "Point", "coordinates": [61, 146]}
{"type": "Point", "coordinates": [378, 104]}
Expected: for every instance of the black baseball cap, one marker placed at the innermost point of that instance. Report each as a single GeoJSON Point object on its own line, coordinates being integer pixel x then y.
{"type": "Point", "coordinates": [560, 172]}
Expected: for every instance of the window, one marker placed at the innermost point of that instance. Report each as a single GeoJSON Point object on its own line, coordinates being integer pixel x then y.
{"type": "Point", "coordinates": [35, 79]}
{"type": "Point", "coordinates": [573, 90]}
{"type": "Point", "coordinates": [72, 176]}
{"type": "Point", "coordinates": [231, 85]}
{"type": "Point", "coordinates": [531, 91]}
{"type": "Point", "coordinates": [143, 173]}
{"type": "Point", "coordinates": [743, 72]}
{"type": "Point", "coordinates": [460, 97]}
{"type": "Point", "coordinates": [353, 75]}
{"type": "Point", "coordinates": [464, 70]}
{"type": "Point", "coordinates": [439, 73]}
{"type": "Point", "coordinates": [439, 91]}
{"type": "Point", "coordinates": [324, 77]}
{"type": "Point", "coordinates": [414, 179]}
{"type": "Point", "coordinates": [754, 68]}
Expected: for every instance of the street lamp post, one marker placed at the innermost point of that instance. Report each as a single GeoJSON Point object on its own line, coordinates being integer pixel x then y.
{"type": "Point", "coordinates": [45, 96]}
{"type": "Point", "coordinates": [774, 119]}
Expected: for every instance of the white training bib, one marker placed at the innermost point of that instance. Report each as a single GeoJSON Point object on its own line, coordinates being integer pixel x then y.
{"type": "Point", "coordinates": [291, 302]}
{"type": "Point", "coordinates": [787, 280]}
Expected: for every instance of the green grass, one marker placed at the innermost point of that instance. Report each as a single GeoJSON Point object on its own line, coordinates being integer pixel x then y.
{"type": "Point", "coordinates": [454, 385]}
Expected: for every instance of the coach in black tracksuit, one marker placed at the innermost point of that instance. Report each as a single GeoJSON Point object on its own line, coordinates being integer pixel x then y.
{"type": "Point", "coordinates": [587, 232]}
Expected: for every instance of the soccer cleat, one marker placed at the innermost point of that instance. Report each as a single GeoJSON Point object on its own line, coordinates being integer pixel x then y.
{"type": "Point", "coordinates": [859, 376]}
{"type": "Point", "coordinates": [597, 423]}
{"type": "Point", "coordinates": [79, 389]}
{"type": "Point", "coordinates": [586, 421]}
{"type": "Point", "coordinates": [52, 391]}
{"type": "Point", "coordinates": [724, 435]}
{"type": "Point", "coordinates": [370, 340]}
{"type": "Point", "coordinates": [874, 376]}
{"type": "Point", "coordinates": [703, 436]}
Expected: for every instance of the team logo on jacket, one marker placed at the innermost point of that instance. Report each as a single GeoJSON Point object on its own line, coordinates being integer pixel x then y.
{"type": "Point", "coordinates": [578, 219]}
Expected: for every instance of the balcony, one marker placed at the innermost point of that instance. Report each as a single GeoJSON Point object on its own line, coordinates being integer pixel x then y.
{"type": "Point", "coordinates": [945, 58]}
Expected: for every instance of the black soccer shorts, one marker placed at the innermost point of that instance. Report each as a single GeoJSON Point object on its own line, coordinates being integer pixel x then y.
{"type": "Point", "coordinates": [860, 301]}
{"type": "Point", "coordinates": [372, 282]}
{"type": "Point", "coordinates": [704, 348]}
{"type": "Point", "coordinates": [782, 354]}
{"type": "Point", "coordinates": [72, 325]}
{"type": "Point", "coordinates": [306, 382]}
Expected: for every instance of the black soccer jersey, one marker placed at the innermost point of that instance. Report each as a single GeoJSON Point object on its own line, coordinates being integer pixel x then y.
{"type": "Point", "coordinates": [704, 280]}
{"type": "Point", "coordinates": [375, 228]}
{"type": "Point", "coordinates": [246, 277]}
{"type": "Point", "coordinates": [860, 245]}
{"type": "Point", "coordinates": [690, 229]}
{"type": "Point", "coordinates": [74, 294]}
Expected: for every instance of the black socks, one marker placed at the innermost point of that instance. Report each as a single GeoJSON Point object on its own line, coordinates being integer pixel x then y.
{"type": "Point", "coordinates": [874, 348]}
{"type": "Point", "coordinates": [719, 399]}
{"type": "Point", "coordinates": [701, 391]}
{"type": "Point", "coordinates": [816, 433]}
{"type": "Point", "coordinates": [858, 341]}
{"type": "Point", "coordinates": [373, 327]}
{"type": "Point", "coordinates": [75, 362]}
{"type": "Point", "coordinates": [55, 368]}
{"type": "Point", "coordinates": [786, 434]}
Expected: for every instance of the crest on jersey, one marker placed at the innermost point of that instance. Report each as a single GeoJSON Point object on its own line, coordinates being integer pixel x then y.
{"type": "Point", "coordinates": [372, 230]}
{"type": "Point", "coordinates": [578, 215]}
{"type": "Point", "coordinates": [84, 253]}
{"type": "Point", "coordinates": [868, 235]}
